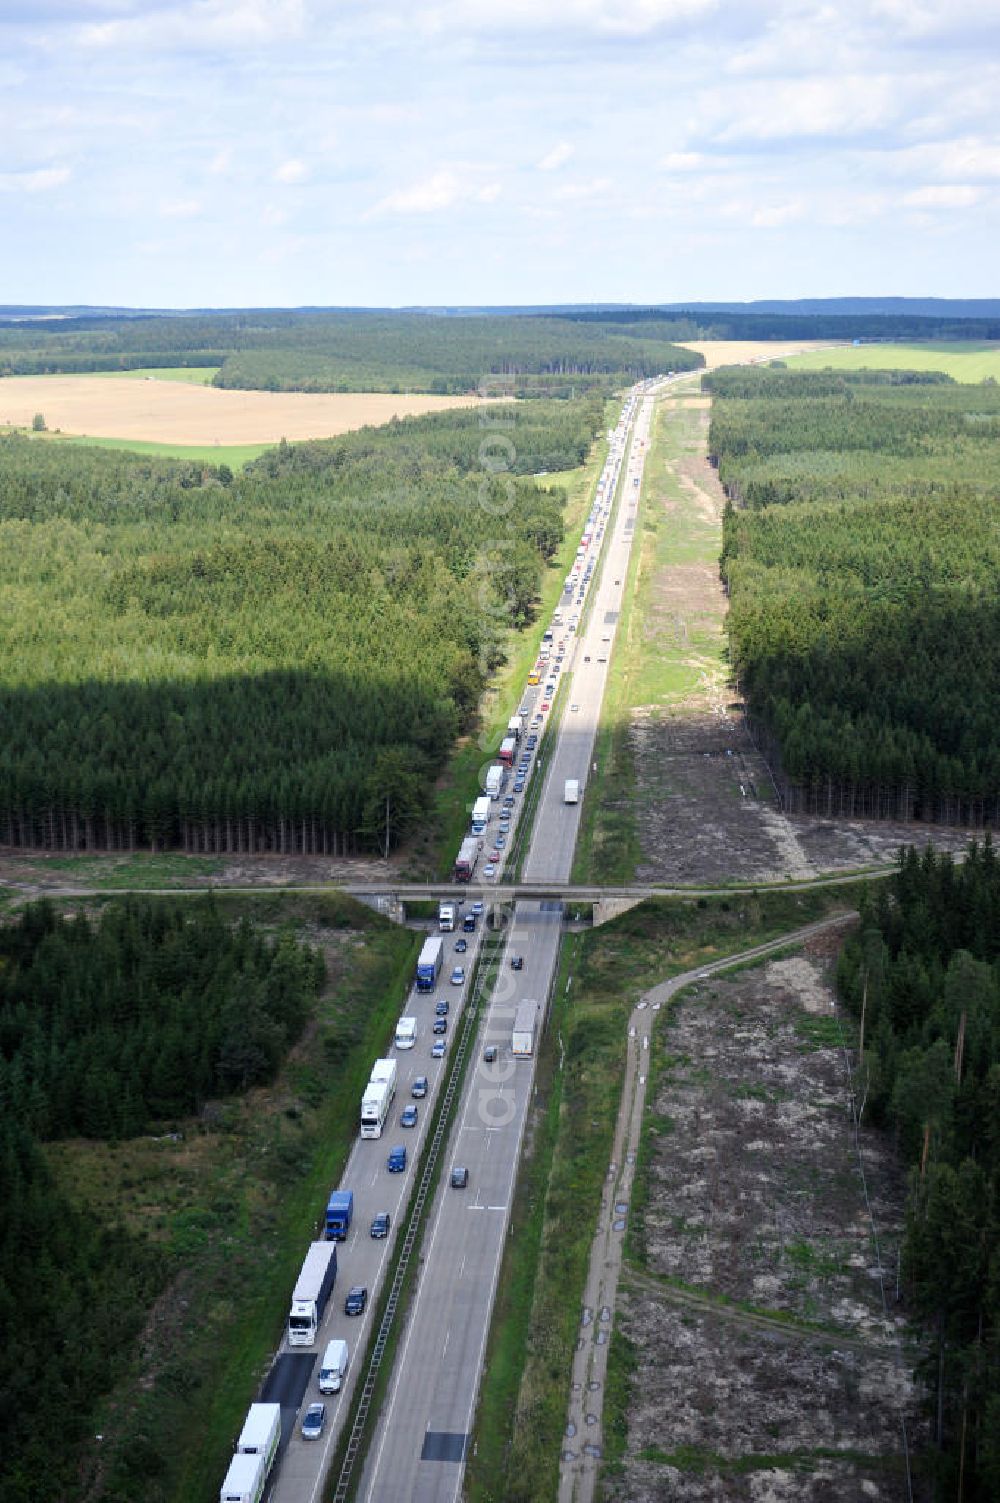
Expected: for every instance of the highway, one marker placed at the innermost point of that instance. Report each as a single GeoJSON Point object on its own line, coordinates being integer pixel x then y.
{"type": "Point", "coordinates": [422, 1434]}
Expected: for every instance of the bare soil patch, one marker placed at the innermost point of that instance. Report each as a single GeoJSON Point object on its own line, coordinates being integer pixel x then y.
{"type": "Point", "coordinates": [768, 1366]}
{"type": "Point", "coordinates": [174, 412]}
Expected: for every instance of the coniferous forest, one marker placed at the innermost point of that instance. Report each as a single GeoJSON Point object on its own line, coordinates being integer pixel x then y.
{"type": "Point", "coordinates": [923, 972]}
{"type": "Point", "coordinates": [109, 1027]}
{"type": "Point", "coordinates": [862, 559]}
{"type": "Point", "coordinates": [274, 661]}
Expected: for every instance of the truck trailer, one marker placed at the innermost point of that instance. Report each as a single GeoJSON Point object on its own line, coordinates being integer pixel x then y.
{"type": "Point", "coordinates": [571, 791]}
{"type": "Point", "coordinates": [496, 777]}
{"type": "Point", "coordinates": [515, 726]}
{"type": "Point", "coordinates": [525, 1021]}
{"type": "Point", "coordinates": [465, 861]}
{"type": "Point", "coordinates": [375, 1105]}
{"type": "Point", "coordinates": [261, 1432]}
{"type": "Point", "coordinates": [446, 917]}
{"type": "Point", "coordinates": [429, 963]}
{"type": "Point", "coordinates": [481, 812]}
{"type": "Point", "coordinates": [311, 1292]}
{"type": "Point", "coordinates": [339, 1210]}
{"type": "Point", "coordinates": [508, 749]}
{"type": "Point", "coordinates": [246, 1479]}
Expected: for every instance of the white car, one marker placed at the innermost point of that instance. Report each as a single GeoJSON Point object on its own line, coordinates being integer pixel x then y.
{"type": "Point", "coordinates": [489, 870]}
{"type": "Point", "coordinates": [573, 709]}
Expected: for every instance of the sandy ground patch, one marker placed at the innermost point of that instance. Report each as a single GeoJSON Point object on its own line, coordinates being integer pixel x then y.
{"type": "Point", "coordinates": [742, 351]}
{"type": "Point", "coordinates": [173, 412]}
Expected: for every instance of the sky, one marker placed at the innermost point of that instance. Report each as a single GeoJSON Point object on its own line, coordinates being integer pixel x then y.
{"type": "Point", "coordinates": [179, 153]}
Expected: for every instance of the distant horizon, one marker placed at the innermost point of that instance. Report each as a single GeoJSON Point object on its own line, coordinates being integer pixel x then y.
{"type": "Point", "coordinates": [844, 305]}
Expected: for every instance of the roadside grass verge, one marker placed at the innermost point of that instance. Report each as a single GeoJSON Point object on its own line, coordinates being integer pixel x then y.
{"type": "Point", "coordinates": [656, 663]}
{"type": "Point", "coordinates": [523, 1397]}
{"type": "Point", "coordinates": [433, 849]}
{"type": "Point", "coordinates": [233, 1200]}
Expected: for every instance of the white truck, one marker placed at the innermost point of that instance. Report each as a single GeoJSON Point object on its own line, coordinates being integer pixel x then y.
{"type": "Point", "coordinates": [406, 1033]}
{"type": "Point", "coordinates": [571, 791]}
{"type": "Point", "coordinates": [446, 917]}
{"type": "Point", "coordinates": [525, 1020]}
{"type": "Point", "coordinates": [495, 776]}
{"type": "Point", "coordinates": [255, 1453]}
{"type": "Point", "coordinates": [311, 1292]}
{"type": "Point", "coordinates": [378, 1098]}
{"type": "Point", "coordinates": [480, 816]}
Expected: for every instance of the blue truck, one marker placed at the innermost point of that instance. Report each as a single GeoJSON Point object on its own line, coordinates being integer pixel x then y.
{"type": "Point", "coordinates": [339, 1210]}
{"type": "Point", "coordinates": [429, 964]}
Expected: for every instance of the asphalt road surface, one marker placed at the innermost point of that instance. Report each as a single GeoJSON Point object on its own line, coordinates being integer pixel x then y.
{"type": "Point", "coordinates": [423, 1430]}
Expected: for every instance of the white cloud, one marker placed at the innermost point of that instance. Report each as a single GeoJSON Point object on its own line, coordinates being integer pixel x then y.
{"type": "Point", "coordinates": [40, 180]}
{"type": "Point", "coordinates": [842, 106]}
{"type": "Point", "coordinates": [181, 208]}
{"type": "Point", "coordinates": [292, 171]}
{"type": "Point", "coordinates": [201, 25]}
{"type": "Point", "coordinates": [773, 216]}
{"type": "Point", "coordinates": [557, 157]}
{"type": "Point", "coordinates": [621, 18]}
{"type": "Point", "coordinates": [683, 161]}
{"type": "Point", "coordinates": [968, 158]}
{"type": "Point", "coordinates": [220, 164]}
{"type": "Point", "coordinates": [944, 196]}
{"type": "Point", "coordinates": [442, 190]}
{"type": "Point", "coordinates": [580, 192]}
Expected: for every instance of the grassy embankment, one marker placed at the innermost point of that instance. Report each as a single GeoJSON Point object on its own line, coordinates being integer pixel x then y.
{"type": "Point", "coordinates": [968, 362]}
{"type": "Point", "coordinates": [234, 455]}
{"type": "Point", "coordinates": [522, 1408]}
{"type": "Point", "coordinates": [672, 529]}
{"type": "Point", "coordinates": [433, 852]}
{"type": "Point", "coordinates": [235, 1201]}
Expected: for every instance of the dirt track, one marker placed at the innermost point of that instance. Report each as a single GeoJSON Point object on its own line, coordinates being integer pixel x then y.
{"type": "Point", "coordinates": [742, 351]}
{"type": "Point", "coordinates": [174, 412]}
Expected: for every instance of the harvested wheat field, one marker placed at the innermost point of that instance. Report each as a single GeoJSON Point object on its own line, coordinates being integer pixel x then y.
{"type": "Point", "coordinates": [174, 412]}
{"type": "Point", "coordinates": [743, 351]}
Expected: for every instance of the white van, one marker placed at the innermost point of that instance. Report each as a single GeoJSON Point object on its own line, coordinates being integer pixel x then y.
{"type": "Point", "coordinates": [333, 1368]}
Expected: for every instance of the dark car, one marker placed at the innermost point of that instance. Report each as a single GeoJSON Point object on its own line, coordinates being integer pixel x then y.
{"type": "Point", "coordinates": [419, 1087]}
{"type": "Point", "coordinates": [490, 1053]}
{"type": "Point", "coordinates": [381, 1223]}
{"type": "Point", "coordinates": [508, 802]}
{"type": "Point", "coordinates": [357, 1298]}
{"type": "Point", "coordinates": [469, 923]}
{"type": "Point", "coordinates": [396, 1162]}
{"type": "Point", "coordinates": [408, 1117]}
{"type": "Point", "coordinates": [440, 1026]}
{"type": "Point", "coordinates": [517, 962]}
{"type": "Point", "coordinates": [313, 1422]}
{"type": "Point", "coordinates": [441, 1008]}
{"type": "Point", "coordinates": [459, 1177]}
{"type": "Point", "coordinates": [461, 945]}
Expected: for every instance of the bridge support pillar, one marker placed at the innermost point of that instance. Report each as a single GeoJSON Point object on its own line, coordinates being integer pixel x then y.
{"type": "Point", "coordinates": [606, 909]}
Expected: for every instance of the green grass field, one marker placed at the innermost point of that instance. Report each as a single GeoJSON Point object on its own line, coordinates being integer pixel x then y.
{"type": "Point", "coordinates": [234, 455]}
{"type": "Point", "coordinates": [196, 375]}
{"type": "Point", "coordinates": [967, 362]}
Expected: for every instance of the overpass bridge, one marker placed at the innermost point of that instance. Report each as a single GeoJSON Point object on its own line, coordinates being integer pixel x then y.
{"type": "Point", "coordinates": [605, 902]}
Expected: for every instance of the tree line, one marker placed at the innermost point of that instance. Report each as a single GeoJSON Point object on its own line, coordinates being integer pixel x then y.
{"type": "Point", "coordinates": [274, 661]}
{"type": "Point", "coordinates": [343, 351]}
{"type": "Point", "coordinates": [861, 558]}
{"type": "Point", "coordinates": [922, 977]}
{"type": "Point", "coordinates": [109, 1026]}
